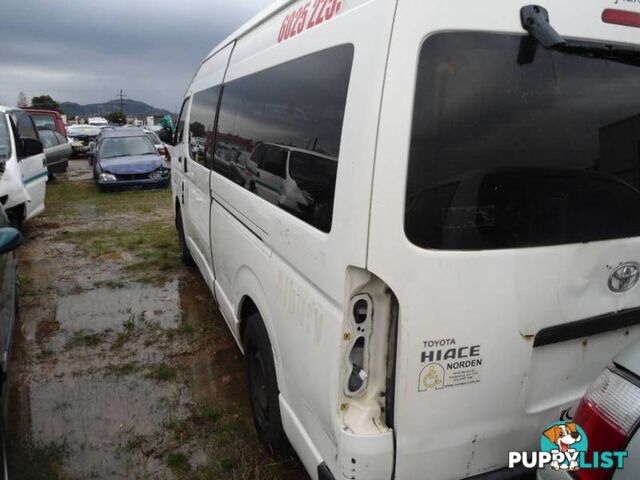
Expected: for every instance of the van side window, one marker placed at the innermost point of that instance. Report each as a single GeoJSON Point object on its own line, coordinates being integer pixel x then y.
{"type": "Point", "coordinates": [179, 133]}
{"type": "Point", "coordinates": [201, 125]}
{"type": "Point", "coordinates": [297, 107]}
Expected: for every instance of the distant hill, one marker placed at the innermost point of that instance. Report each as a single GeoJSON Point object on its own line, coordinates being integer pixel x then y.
{"type": "Point", "coordinates": [131, 109]}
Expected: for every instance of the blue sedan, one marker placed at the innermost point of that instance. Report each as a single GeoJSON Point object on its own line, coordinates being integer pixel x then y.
{"type": "Point", "coordinates": [126, 157]}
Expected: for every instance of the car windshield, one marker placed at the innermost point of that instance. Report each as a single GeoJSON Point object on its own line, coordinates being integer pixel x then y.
{"type": "Point", "coordinates": [126, 146]}
{"type": "Point", "coordinates": [5, 140]}
{"type": "Point", "coordinates": [83, 130]}
{"type": "Point", "coordinates": [511, 156]}
{"type": "Point", "coordinates": [154, 138]}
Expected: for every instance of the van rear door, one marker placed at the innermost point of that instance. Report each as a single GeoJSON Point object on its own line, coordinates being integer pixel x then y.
{"type": "Point", "coordinates": [506, 220]}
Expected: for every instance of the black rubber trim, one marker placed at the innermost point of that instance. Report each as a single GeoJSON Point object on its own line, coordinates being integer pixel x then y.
{"type": "Point", "coordinates": [324, 473]}
{"type": "Point", "coordinates": [518, 473]}
{"type": "Point", "coordinates": [244, 224]}
{"type": "Point", "coordinates": [587, 328]}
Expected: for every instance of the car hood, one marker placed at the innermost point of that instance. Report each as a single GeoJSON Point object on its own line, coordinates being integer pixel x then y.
{"type": "Point", "coordinates": [133, 164]}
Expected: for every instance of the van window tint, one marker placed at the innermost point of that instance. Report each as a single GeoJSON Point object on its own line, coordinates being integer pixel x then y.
{"type": "Point", "coordinates": [294, 107]}
{"type": "Point", "coordinates": [505, 155]}
{"type": "Point", "coordinates": [201, 125]}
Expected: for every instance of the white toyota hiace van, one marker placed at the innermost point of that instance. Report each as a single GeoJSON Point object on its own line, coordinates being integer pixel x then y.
{"type": "Point", "coordinates": [462, 259]}
{"type": "Point", "coordinates": [23, 166]}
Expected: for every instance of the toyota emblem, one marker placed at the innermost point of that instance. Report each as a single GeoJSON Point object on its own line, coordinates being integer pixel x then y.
{"type": "Point", "coordinates": [624, 277]}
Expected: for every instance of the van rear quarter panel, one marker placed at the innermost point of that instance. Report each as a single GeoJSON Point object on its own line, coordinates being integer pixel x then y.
{"type": "Point", "coordinates": [301, 270]}
{"type": "Point", "coordinates": [495, 299]}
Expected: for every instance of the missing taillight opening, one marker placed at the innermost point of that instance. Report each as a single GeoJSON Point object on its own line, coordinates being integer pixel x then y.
{"type": "Point", "coordinates": [621, 17]}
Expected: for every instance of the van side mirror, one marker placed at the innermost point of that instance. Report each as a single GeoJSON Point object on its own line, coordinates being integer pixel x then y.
{"type": "Point", "coordinates": [10, 239]}
{"type": "Point", "coordinates": [31, 147]}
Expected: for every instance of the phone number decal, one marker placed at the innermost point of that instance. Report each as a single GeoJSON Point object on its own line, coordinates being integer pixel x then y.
{"type": "Point", "coordinates": [308, 16]}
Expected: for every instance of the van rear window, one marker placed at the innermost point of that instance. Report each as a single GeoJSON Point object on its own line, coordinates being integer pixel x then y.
{"type": "Point", "coordinates": [509, 156]}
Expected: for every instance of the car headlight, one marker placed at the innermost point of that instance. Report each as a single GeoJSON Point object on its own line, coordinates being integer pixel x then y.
{"type": "Point", "coordinates": [159, 174]}
{"type": "Point", "coordinates": [107, 177]}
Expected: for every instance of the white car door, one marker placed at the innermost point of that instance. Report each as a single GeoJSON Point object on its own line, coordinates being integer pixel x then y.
{"type": "Point", "coordinates": [32, 161]}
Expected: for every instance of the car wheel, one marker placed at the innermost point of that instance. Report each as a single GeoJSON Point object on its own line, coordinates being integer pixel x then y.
{"type": "Point", "coordinates": [263, 387]}
{"type": "Point", "coordinates": [185, 254]}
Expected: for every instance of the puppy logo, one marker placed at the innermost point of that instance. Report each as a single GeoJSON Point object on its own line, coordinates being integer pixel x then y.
{"type": "Point", "coordinates": [567, 439]}
{"type": "Point", "coordinates": [431, 377]}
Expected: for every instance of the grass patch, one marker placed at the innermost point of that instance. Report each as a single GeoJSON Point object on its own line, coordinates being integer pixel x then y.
{"type": "Point", "coordinates": [162, 373]}
{"type": "Point", "coordinates": [112, 284]}
{"type": "Point", "coordinates": [37, 461]}
{"type": "Point", "coordinates": [205, 414]}
{"type": "Point", "coordinates": [25, 281]}
{"type": "Point", "coordinates": [84, 339]}
{"type": "Point", "coordinates": [185, 328]}
{"type": "Point", "coordinates": [178, 462]}
{"type": "Point", "coordinates": [152, 244]}
{"type": "Point", "coordinates": [128, 368]}
{"type": "Point", "coordinates": [72, 198]}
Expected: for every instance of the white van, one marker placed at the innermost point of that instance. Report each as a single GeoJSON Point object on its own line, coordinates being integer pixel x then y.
{"type": "Point", "coordinates": [475, 265]}
{"type": "Point", "coordinates": [23, 166]}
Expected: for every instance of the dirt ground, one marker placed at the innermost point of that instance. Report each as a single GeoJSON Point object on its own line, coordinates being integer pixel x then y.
{"type": "Point", "coordinates": [122, 366]}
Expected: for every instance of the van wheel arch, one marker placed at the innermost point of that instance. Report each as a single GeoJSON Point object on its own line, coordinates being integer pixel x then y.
{"type": "Point", "coordinates": [246, 310]}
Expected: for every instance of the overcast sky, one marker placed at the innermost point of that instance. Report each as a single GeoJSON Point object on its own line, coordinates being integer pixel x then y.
{"type": "Point", "coordinates": [85, 51]}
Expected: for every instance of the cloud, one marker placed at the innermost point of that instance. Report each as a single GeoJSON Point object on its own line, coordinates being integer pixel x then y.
{"type": "Point", "coordinates": [85, 51]}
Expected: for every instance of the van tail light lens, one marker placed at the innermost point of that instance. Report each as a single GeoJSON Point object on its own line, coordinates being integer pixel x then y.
{"type": "Point", "coordinates": [608, 413]}
{"type": "Point", "coordinates": [621, 17]}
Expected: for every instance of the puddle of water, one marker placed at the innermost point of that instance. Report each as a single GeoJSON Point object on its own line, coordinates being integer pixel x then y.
{"type": "Point", "coordinates": [104, 308]}
{"type": "Point", "coordinates": [80, 394]}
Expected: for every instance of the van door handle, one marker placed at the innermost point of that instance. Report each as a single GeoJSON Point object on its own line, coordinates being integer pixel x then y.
{"type": "Point", "coordinates": [180, 159]}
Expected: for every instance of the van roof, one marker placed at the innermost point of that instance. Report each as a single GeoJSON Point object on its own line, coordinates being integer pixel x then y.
{"type": "Point", "coordinates": [258, 19]}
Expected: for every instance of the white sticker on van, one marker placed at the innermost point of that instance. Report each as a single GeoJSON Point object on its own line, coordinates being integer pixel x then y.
{"type": "Point", "coordinates": [308, 16]}
{"type": "Point", "coordinates": [446, 364]}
